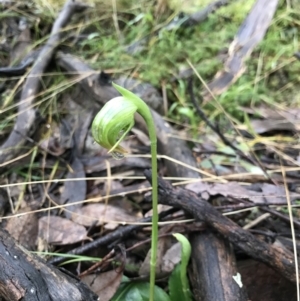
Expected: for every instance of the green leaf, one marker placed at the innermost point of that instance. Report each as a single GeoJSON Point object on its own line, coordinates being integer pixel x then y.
{"type": "Point", "coordinates": [139, 291]}
{"type": "Point", "coordinates": [175, 288]}
{"type": "Point", "coordinates": [134, 294]}
{"type": "Point", "coordinates": [178, 282]}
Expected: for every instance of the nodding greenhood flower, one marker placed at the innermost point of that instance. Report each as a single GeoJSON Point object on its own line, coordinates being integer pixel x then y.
{"type": "Point", "coordinates": [115, 120]}
{"type": "Point", "coordinates": [112, 123]}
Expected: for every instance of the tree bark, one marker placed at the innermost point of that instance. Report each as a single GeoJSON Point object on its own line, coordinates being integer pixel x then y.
{"type": "Point", "coordinates": [213, 279]}
{"type": "Point", "coordinates": [26, 277]}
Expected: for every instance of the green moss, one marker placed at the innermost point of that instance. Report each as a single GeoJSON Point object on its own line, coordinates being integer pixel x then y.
{"type": "Point", "coordinates": [272, 74]}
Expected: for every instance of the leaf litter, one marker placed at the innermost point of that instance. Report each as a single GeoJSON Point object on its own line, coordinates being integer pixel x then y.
{"type": "Point", "coordinates": [99, 214]}
{"type": "Point", "coordinates": [56, 230]}
{"type": "Point", "coordinates": [67, 125]}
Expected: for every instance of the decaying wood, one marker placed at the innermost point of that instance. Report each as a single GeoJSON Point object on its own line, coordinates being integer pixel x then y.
{"type": "Point", "coordinates": [214, 279]}
{"type": "Point", "coordinates": [265, 284]}
{"type": "Point", "coordinates": [280, 260]}
{"type": "Point", "coordinates": [251, 32]}
{"type": "Point", "coordinates": [26, 113]}
{"type": "Point", "coordinates": [24, 276]}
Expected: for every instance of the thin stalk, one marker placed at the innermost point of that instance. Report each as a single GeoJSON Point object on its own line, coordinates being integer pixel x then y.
{"type": "Point", "coordinates": [109, 128]}
{"type": "Point", "coordinates": [154, 232]}
{"type": "Point", "coordinates": [146, 114]}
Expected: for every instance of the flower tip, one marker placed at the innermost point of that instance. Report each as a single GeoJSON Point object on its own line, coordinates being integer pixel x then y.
{"type": "Point", "coordinates": [117, 155]}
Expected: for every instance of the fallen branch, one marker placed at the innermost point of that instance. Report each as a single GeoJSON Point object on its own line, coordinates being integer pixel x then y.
{"type": "Point", "coordinates": [251, 32]}
{"type": "Point", "coordinates": [213, 268]}
{"type": "Point", "coordinates": [24, 124]}
{"type": "Point", "coordinates": [280, 260]}
{"type": "Point", "coordinates": [24, 276]}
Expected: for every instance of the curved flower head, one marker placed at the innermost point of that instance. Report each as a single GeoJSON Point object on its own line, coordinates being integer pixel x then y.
{"type": "Point", "coordinates": [114, 121]}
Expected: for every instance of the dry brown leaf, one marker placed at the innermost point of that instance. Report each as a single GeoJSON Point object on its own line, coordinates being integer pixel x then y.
{"type": "Point", "coordinates": [59, 141]}
{"type": "Point", "coordinates": [102, 214]}
{"type": "Point", "coordinates": [262, 126]}
{"type": "Point", "coordinates": [163, 245]}
{"type": "Point", "coordinates": [160, 208]}
{"type": "Point", "coordinates": [171, 258]}
{"type": "Point", "coordinates": [98, 164]}
{"type": "Point", "coordinates": [268, 112]}
{"type": "Point", "coordinates": [21, 47]}
{"type": "Point", "coordinates": [112, 185]}
{"type": "Point", "coordinates": [141, 136]}
{"type": "Point", "coordinates": [74, 191]}
{"type": "Point", "coordinates": [105, 284]}
{"type": "Point", "coordinates": [279, 119]}
{"type": "Point", "coordinates": [230, 189]}
{"type": "Point", "coordinates": [24, 228]}
{"type": "Point", "coordinates": [269, 193]}
{"type": "Point", "coordinates": [277, 194]}
{"type": "Point", "coordinates": [60, 231]}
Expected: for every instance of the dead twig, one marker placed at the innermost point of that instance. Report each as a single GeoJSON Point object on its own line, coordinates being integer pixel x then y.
{"type": "Point", "coordinates": [24, 124]}
{"type": "Point", "coordinates": [222, 137]}
{"type": "Point", "coordinates": [120, 233]}
{"type": "Point", "coordinates": [280, 260]}
{"type": "Point", "coordinates": [251, 32]}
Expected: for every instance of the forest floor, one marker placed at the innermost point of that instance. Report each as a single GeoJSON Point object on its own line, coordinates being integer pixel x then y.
{"type": "Point", "coordinates": [223, 77]}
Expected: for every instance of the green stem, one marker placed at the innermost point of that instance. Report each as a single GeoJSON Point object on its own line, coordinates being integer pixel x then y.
{"type": "Point", "coordinates": [146, 114]}
{"type": "Point", "coordinates": [117, 118]}
{"type": "Point", "coordinates": [144, 111]}
{"type": "Point", "coordinates": [154, 235]}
